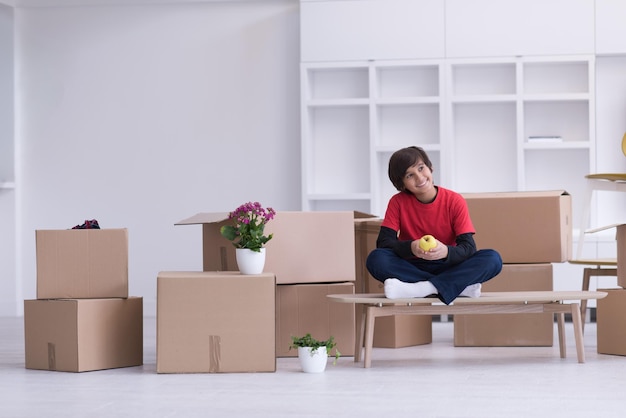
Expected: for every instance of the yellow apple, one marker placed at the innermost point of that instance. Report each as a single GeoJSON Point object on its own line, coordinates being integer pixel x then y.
{"type": "Point", "coordinates": [427, 242]}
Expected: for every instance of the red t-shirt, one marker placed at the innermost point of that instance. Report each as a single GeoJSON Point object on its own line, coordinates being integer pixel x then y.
{"type": "Point", "coordinates": [445, 218]}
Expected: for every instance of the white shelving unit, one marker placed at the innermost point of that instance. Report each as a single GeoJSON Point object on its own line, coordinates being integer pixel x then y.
{"type": "Point", "coordinates": [473, 116]}
{"type": "Point", "coordinates": [335, 123]}
{"type": "Point", "coordinates": [354, 115]}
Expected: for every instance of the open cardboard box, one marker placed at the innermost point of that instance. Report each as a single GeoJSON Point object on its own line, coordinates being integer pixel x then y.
{"type": "Point", "coordinates": [307, 247]}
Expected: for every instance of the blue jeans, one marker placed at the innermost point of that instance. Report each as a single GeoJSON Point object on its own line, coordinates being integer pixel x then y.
{"type": "Point", "coordinates": [450, 281]}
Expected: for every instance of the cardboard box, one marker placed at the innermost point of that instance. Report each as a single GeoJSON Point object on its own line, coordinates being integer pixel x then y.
{"type": "Point", "coordinates": [307, 247]}
{"type": "Point", "coordinates": [82, 263]}
{"type": "Point", "coordinates": [78, 335]}
{"type": "Point", "coordinates": [389, 331]}
{"type": "Point", "coordinates": [399, 330]}
{"type": "Point", "coordinates": [403, 331]}
{"type": "Point", "coordinates": [365, 235]}
{"type": "Point", "coordinates": [524, 227]}
{"type": "Point", "coordinates": [304, 308]}
{"type": "Point", "coordinates": [211, 322]}
{"type": "Point", "coordinates": [610, 313]}
{"type": "Point", "coordinates": [509, 330]}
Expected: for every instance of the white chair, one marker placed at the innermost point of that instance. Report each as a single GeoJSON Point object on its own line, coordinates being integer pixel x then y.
{"type": "Point", "coordinates": [601, 266]}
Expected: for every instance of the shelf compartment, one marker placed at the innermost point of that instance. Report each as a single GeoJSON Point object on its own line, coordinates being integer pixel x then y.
{"type": "Point", "coordinates": [556, 77]}
{"type": "Point", "coordinates": [336, 133]}
{"type": "Point", "coordinates": [410, 81]}
{"type": "Point", "coordinates": [485, 157]}
{"type": "Point", "coordinates": [567, 119]}
{"type": "Point", "coordinates": [404, 125]}
{"type": "Point", "coordinates": [483, 79]}
{"type": "Point", "coordinates": [338, 83]}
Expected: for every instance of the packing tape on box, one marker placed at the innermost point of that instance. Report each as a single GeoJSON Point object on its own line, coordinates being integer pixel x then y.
{"type": "Point", "coordinates": [214, 353]}
{"type": "Point", "coordinates": [52, 362]}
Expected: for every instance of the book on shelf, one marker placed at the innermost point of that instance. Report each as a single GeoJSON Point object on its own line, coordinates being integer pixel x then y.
{"type": "Point", "coordinates": [545, 138]}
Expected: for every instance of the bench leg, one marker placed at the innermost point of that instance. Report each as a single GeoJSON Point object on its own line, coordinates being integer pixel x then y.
{"type": "Point", "coordinates": [560, 318]}
{"type": "Point", "coordinates": [360, 333]}
{"type": "Point", "coordinates": [370, 319]}
{"type": "Point", "coordinates": [578, 332]}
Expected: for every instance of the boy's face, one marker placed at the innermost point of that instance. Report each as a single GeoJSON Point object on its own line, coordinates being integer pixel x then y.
{"type": "Point", "coordinates": [418, 180]}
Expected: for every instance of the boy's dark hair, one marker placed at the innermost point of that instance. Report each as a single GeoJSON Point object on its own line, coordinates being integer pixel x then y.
{"type": "Point", "coordinates": [401, 160]}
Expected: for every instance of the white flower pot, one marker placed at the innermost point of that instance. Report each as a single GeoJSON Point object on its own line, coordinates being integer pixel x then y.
{"type": "Point", "coordinates": [314, 362]}
{"type": "Point", "coordinates": [250, 262]}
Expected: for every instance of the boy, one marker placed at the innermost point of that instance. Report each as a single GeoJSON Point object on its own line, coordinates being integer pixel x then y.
{"type": "Point", "coordinates": [454, 267]}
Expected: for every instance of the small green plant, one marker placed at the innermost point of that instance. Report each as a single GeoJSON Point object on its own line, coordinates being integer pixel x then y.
{"type": "Point", "coordinates": [313, 344]}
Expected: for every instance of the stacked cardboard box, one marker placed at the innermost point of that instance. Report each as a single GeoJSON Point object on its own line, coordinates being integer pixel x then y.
{"type": "Point", "coordinates": [611, 310]}
{"type": "Point", "coordinates": [530, 230]}
{"type": "Point", "coordinates": [390, 331]}
{"type": "Point", "coordinates": [310, 256]}
{"type": "Point", "coordinates": [82, 318]}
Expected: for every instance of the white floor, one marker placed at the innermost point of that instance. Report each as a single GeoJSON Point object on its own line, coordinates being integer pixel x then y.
{"type": "Point", "coordinates": [436, 380]}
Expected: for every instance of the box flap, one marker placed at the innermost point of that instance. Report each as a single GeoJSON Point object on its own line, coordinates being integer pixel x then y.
{"type": "Point", "coordinates": [360, 215]}
{"type": "Point", "coordinates": [204, 218]}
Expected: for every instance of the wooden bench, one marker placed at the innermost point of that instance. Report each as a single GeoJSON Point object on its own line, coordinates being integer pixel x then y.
{"type": "Point", "coordinates": [556, 302]}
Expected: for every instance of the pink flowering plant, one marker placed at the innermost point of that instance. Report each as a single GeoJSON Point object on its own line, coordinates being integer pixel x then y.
{"type": "Point", "coordinates": [249, 225]}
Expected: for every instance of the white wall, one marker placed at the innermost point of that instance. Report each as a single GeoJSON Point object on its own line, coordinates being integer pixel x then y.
{"type": "Point", "coordinates": [140, 116]}
{"type": "Point", "coordinates": [8, 286]}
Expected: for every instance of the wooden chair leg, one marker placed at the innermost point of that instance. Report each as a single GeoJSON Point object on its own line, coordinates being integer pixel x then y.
{"type": "Point", "coordinates": [583, 303]}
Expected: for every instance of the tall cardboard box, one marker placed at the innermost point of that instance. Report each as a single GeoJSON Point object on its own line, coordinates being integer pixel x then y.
{"type": "Point", "coordinates": [307, 247]}
{"type": "Point", "coordinates": [509, 330]}
{"type": "Point", "coordinates": [366, 231]}
{"type": "Point", "coordinates": [389, 331]}
{"type": "Point", "coordinates": [82, 263]}
{"type": "Point", "coordinates": [610, 314]}
{"type": "Point", "coordinates": [78, 335]}
{"type": "Point", "coordinates": [215, 322]}
{"type": "Point", "coordinates": [524, 227]}
{"type": "Point", "coordinates": [305, 308]}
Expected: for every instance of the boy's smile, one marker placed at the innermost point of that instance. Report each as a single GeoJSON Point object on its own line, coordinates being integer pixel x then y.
{"type": "Point", "coordinates": [418, 180]}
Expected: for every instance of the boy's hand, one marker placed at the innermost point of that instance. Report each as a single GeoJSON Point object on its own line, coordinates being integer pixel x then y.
{"type": "Point", "coordinates": [438, 253]}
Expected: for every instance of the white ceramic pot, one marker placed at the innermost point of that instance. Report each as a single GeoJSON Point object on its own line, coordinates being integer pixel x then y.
{"type": "Point", "coordinates": [313, 362]}
{"type": "Point", "coordinates": [250, 262]}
